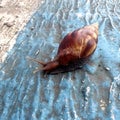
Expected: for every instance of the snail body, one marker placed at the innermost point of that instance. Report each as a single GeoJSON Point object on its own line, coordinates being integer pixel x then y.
{"type": "Point", "coordinates": [78, 44]}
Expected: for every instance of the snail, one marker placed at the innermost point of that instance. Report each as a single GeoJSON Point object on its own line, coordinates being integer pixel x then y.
{"type": "Point", "coordinates": [76, 45]}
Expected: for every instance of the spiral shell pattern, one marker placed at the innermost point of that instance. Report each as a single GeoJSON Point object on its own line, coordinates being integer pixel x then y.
{"type": "Point", "coordinates": [78, 44]}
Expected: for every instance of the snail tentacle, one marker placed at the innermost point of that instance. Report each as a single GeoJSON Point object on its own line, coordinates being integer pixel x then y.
{"type": "Point", "coordinates": [35, 60]}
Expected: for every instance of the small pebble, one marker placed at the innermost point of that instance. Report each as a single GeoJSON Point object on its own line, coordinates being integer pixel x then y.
{"type": "Point", "coordinates": [107, 68]}
{"type": "Point", "coordinates": [9, 24]}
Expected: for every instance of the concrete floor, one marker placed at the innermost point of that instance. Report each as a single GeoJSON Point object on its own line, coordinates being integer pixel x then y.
{"type": "Point", "coordinates": [13, 17]}
{"type": "Point", "coordinates": [90, 93]}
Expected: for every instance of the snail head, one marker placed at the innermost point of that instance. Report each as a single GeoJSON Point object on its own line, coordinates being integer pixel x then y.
{"type": "Point", "coordinates": [47, 67]}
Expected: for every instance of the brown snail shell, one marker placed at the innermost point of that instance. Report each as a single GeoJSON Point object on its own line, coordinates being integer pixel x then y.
{"type": "Point", "coordinates": [78, 44]}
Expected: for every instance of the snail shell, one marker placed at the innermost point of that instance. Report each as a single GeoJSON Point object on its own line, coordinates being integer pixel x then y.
{"type": "Point", "coordinates": [78, 44]}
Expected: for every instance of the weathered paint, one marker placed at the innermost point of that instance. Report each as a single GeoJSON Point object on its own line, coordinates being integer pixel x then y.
{"type": "Point", "coordinates": [90, 93]}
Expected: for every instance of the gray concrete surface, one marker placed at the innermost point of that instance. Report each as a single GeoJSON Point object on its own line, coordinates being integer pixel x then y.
{"type": "Point", "coordinates": [13, 17]}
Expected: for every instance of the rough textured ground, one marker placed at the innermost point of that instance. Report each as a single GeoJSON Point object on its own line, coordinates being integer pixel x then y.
{"type": "Point", "coordinates": [91, 93]}
{"type": "Point", "coordinates": [14, 14]}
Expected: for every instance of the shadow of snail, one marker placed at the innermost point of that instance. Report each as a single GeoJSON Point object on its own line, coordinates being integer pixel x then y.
{"type": "Point", "coordinates": [75, 47]}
